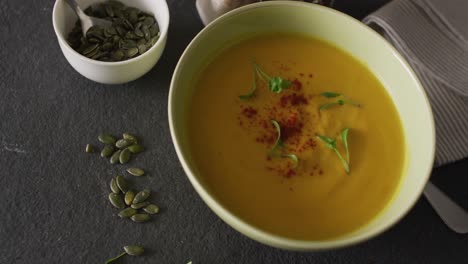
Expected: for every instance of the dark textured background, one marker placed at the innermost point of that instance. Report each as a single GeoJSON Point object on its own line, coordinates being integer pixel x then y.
{"type": "Point", "coordinates": [53, 196]}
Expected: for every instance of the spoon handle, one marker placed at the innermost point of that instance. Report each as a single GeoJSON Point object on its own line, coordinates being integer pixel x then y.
{"type": "Point", "coordinates": [74, 5]}
{"type": "Point", "coordinates": [455, 217]}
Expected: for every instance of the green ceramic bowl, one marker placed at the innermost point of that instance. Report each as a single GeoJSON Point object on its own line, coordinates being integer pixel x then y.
{"type": "Point", "coordinates": [351, 36]}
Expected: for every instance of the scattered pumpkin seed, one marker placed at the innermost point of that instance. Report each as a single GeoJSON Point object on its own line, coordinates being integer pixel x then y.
{"type": "Point", "coordinates": [115, 157]}
{"type": "Point", "coordinates": [139, 205]}
{"type": "Point", "coordinates": [135, 148]}
{"type": "Point", "coordinates": [127, 212]}
{"type": "Point", "coordinates": [107, 151]}
{"type": "Point", "coordinates": [125, 156]}
{"type": "Point", "coordinates": [89, 148]}
{"type": "Point", "coordinates": [113, 186]}
{"type": "Point", "coordinates": [106, 139]}
{"type": "Point", "coordinates": [130, 137]}
{"type": "Point", "coordinates": [123, 143]}
{"type": "Point", "coordinates": [151, 209]}
{"type": "Point", "coordinates": [129, 195]}
{"type": "Point", "coordinates": [140, 218]}
{"type": "Point", "coordinates": [121, 183]}
{"type": "Point", "coordinates": [136, 171]}
{"type": "Point", "coordinates": [134, 250]}
{"type": "Point", "coordinates": [141, 196]}
{"type": "Point", "coordinates": [116, 200]}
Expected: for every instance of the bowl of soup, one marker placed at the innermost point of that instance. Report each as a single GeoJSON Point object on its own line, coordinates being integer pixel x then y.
{"type": "Point", "coordinates": [299, 126]}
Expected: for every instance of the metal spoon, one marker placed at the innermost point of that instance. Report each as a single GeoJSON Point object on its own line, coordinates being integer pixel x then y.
{"type": "Point", "coordinates": [87, 21]}
{"type": "Point", "coordinates": [451, 213]}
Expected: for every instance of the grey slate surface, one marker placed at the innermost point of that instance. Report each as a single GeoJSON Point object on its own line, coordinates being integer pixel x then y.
{"type": "Point", "coordinates": [53, 205]}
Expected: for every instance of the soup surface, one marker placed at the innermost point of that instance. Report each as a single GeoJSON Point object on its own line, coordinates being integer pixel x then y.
{"type": "Point", "coordinates": [325, 91]}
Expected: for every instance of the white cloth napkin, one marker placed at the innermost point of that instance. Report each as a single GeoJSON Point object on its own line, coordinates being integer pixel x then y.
{"type": "Point", "coordinates": [433, 37]}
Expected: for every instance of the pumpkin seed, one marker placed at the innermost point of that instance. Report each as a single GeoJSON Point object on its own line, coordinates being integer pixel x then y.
{"type": "Point", "coordinates": [127, 212]}
{"type": "Point", "coordinates": [122, 183]}
{"type": "Point", "coordinates": [113, 186]}
{"type": "Point", "coordinates": [139, 205]}
{"type": "Point", "coordinates": [127, 24]}
{"type": "Point", "coordinates": [141, 42]}
{"type": "Point", "coordinates": [107, 151]}
{"type": "Point", "coordinates": [133, 15]}
{"type": "Point", "coordinates": [121, 31]}
{"type": "Point", "coordinates": [148, 21]}
{"type": "Point", "coordinates": [107, 46]}
{"type": "Point", "coordinates": [116, 200]}
{"type": "Point", "coordinates": [136, 171]}
{"type": "Point", "coordinates": [125, 156]}
{"type": "Point", "coordinates": [115, 157]}
{"type": "Point", "coordinates": [142, 48]}
{"type": "Point", "coordinates": [123, 143]}
{"type": "Point", "coordinates": [92, 53]}
{"type": "Point", "coordinates": [129, 195]}
{"type": "Point", "coordinates": [141, 196]}
{"type": "Point", "coordinates": [132, 52]}
{"type": "Point", "coordinates": [153, 29]}
{"type": "Point", "coordinates": [117, 55]}
{"type": "Point", "coordinates": [99, 55]}
{"type": "Point", "coordinates": [146, 32]}
{"type": "Point", "coordinates": [131, 35]}
{"type": "Point", "coordinates": [140, 218]}
{"type": "Point", "coordinates": [106, 139]}
{"type": "Point", "coordinates": [151, 209]}
{"type": "Point", "coordinates": [109, 10]}
{"type": "Point", "coordinates": [89, 148]}
{"type": "Point", "coordinates": [119, 13]}
{"type": "Point", "coordinates": [135, 148]}
{"type": "Point", "coordinates": [130, 137]}
{"type": "Point", "coordinates": [90, 49]}
{"type": "Point", "coordinates": [154, 39]}
{"type": "Point", "coordinates": [134, 250]}
{"type": "Point", "coordinates": [94, 40]}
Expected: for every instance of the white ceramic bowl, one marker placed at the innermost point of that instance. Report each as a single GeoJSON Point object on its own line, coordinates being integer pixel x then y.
{"type": "Point", "coordinates": [346, 33]}
{"type": "Point", "coordinates": [64, 19]}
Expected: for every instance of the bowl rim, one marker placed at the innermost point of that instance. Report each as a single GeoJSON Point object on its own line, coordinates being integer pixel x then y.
{"type": "Point", "coordinates": [162, 30]}
{"type": "Point", "coordinates": [254, 232]}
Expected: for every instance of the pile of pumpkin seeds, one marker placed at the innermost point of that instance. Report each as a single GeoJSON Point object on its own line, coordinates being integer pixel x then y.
{"type": "Point", "coordinates": [118, 151]}
{"type": "Point", "coordinates": [132, 33]}
{"type": "Point", "coordinates": [133, 205]}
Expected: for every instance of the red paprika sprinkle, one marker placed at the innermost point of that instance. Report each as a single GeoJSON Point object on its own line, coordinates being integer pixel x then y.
{"type": "Point", "coordinates": [249, 112]}
{"type": "Point", "coordinates": [297, 85]}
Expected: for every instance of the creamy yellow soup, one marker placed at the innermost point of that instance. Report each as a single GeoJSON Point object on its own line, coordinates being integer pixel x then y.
{"type": "Point", "coordinates": [232, 138]}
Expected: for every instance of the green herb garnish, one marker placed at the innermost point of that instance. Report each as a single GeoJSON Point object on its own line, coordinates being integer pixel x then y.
{"type": "Point", "coordinates": [254, 86]}
{"type": "Point", "coordinates": [330, 94]}
{"type": "Point", "coordinates": [331, 144]}
{"type": "Point", "coordinates": [275, 83]}
{"type": "Point", "coordinates": [342, 101]}
{"type": "Point", "coordinates": [279, 144]}
{"type": "Point", "coordinates": [293, 157]}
